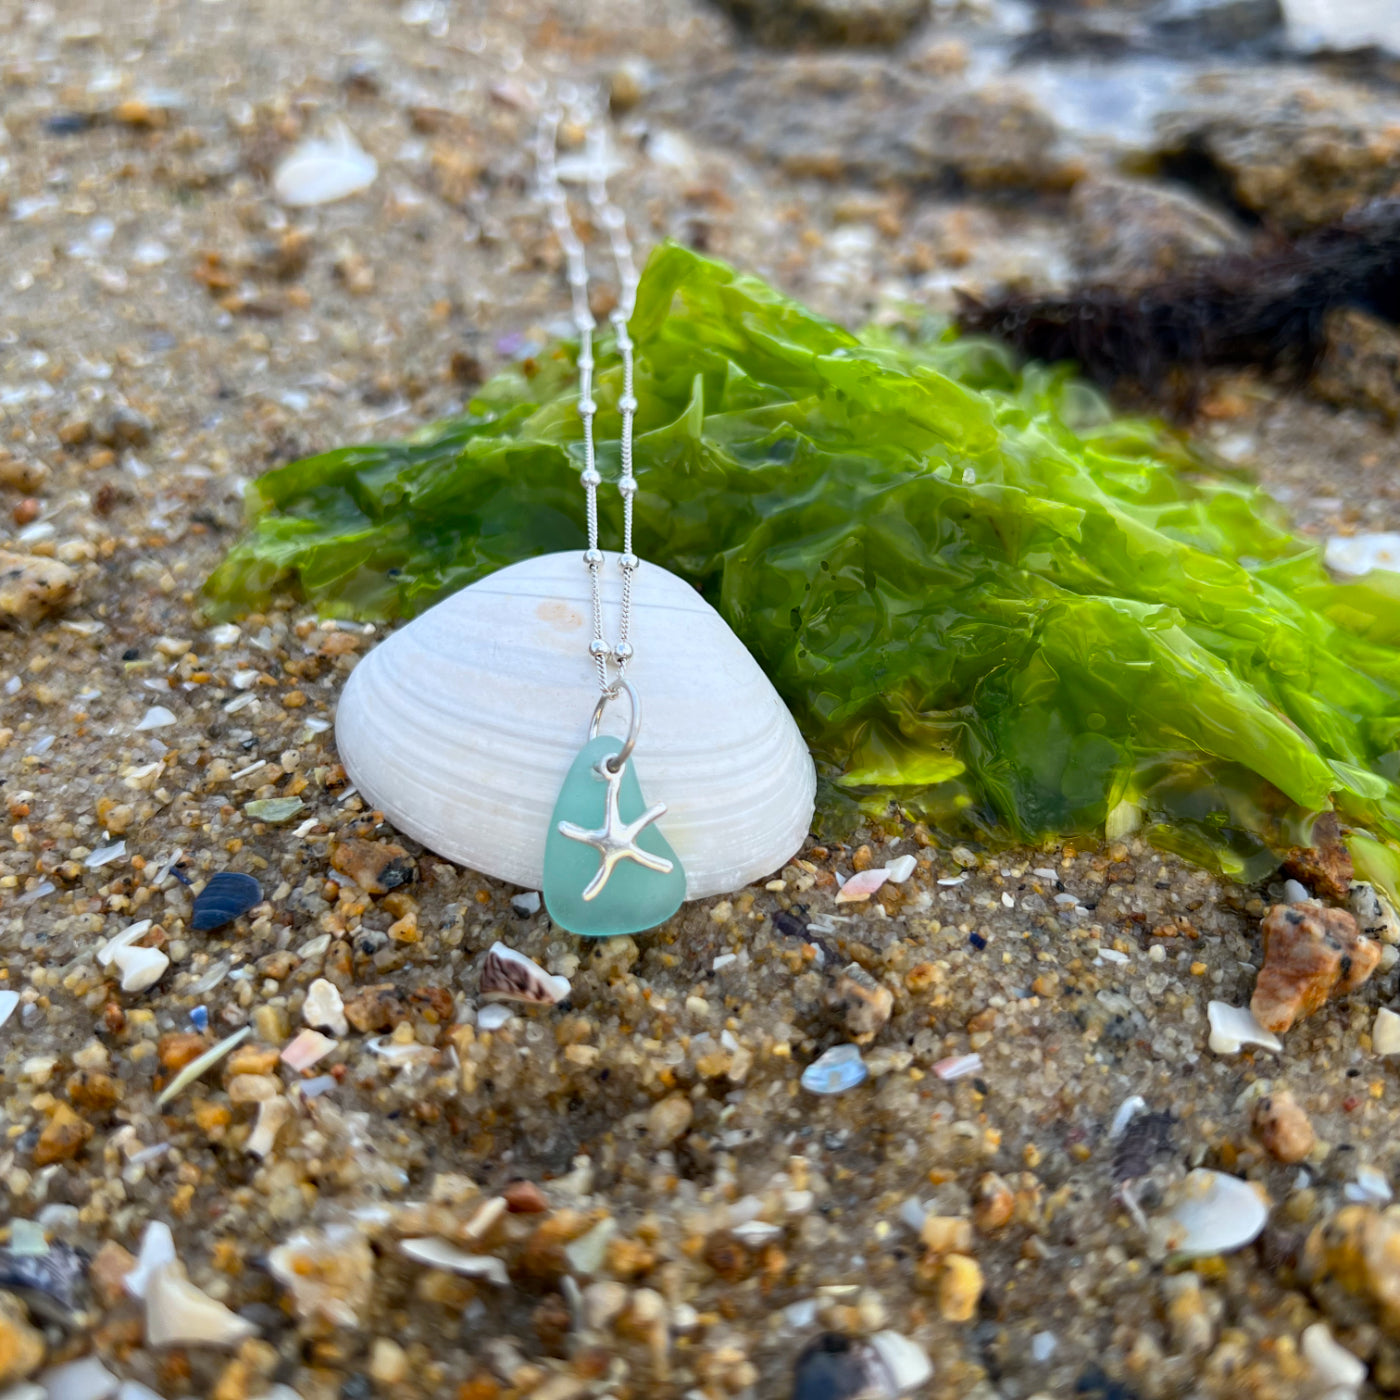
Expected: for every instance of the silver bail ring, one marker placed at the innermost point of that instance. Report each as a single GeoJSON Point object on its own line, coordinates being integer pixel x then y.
{"type": "Point", "coordinates": [615, 761]}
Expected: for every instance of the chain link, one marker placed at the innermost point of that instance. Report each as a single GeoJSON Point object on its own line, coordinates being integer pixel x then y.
{"type": "Point", "coordinates": [610, 219]}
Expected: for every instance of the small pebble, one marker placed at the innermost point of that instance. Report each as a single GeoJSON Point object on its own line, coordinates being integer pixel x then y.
{"type": "Point", "coordinates": [324, 1008]}
{"type": "Point", "coordinates": [836, 1071]}
{"type": "Point", "coordinates": [1385, 1033]}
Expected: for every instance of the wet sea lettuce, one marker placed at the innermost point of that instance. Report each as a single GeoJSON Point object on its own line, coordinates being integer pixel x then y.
{"type": "Point", "coordinates": [984, 598]}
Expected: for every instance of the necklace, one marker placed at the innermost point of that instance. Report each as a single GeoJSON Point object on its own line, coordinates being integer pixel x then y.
{"type": "Point", "coordinates": [637, 880]}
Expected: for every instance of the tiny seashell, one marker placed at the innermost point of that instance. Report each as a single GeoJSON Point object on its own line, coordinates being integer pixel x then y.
{"type": "Point", "coordinates": [179, 1314]}
{"type": "Point", "coordinates": [756, 1232]}
{"type": "Point", "coordinates": [958, 1066]}
{"type": "Point", "coordinates": [320, 172]}
{"type": "Point", "coordinates": [901, 868]}
{"type": "Point", "coordinates": [273, 809]}
{"type": "Point", "coordinates": [492, 1018]}
{"type": "Point", "coordinates": [157, 717]}
{"type": "Point", "coordinates": [324, 1007]}
{"type": "Point", "coordinates": [861, 886]}
{"type": "Point", "coordinates": [226, 896]}
{"type": "Point", "coordinates": [140, 967]}
{"type": "Point", "coordinates": [105, 855]}
{"type": "Point", "coordinates": [1213, 1212]}
{"type": "Point", "coordinates": [56, 1274]}
{"type": "Point", "coordinates": [399, 1054]}
{"type": "Point", "coordinates": [1127, 1111]}
{"type": "Point", "coordinates": [839, 1069]}
{"type": "Point", "coordinates": [107, 953]}
{"type": "Point", "coordinates": [513, 976]}
{"type": "Point", "coordinates": [307, 1049]}
{"type": "Point", "coordinates": [465, 745]}
{"type": "Point", "coordinates": [441, 1254]}
{"type": "Point", "coordinates": [1232, 1027]}
{"type": "Point", "coordinates": [1334, 1368]}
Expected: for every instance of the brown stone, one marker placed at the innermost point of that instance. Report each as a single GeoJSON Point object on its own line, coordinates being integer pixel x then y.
{"type": "Point", "coordinates": [22, 1346]}
{"type": "Point", "coordinates": [993, 1203]}
{"type": "Point", "coordinates": [63, 1137]}
{"type": "Point", "coordinates": [252, 1059]}
{"type": "Point", "coordinates": [94, 1091]}
{"type": "Point", "coordinates": [727, 1257]}
{"type": "Point", "coordinates": [1325, 866]}
{"type": "Point", "coordinates": [863, 1005]}
{"type": "Point", "coordinates": [1310, 954]}
{"type": "Point", "coordinates": [375, 866]}
{"type": "Point", "coordinates": [32, 587]}
{"type": "Point", "coordinates": [108, 1272]}
{"type": "Point", "coordinates": [177, 1049]}
{"type": "Point", "coordinates": [1283, 1128]}
{"type": "Point", "coordinates": [377, 1008]}
{"type": "Point", "coordinates": [524, 1198]}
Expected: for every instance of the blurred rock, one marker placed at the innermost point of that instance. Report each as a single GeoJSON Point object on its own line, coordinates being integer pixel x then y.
{"type": "Point", "coordinates": [1283, 1127]}
{"type": "Point", "coordinates": [851, 117]}
{"type": "Point", "coordinates": [32, 587]}
{"type": "Point", "coordinates": [1324, 867]}
{"type": "Point", "coordinates": [791, 22]}
{"type": "Point", "coordinates": [1297, 148]}
{"type": "Point", "coordinates": [1360, 365]}
{"type": "Point", "coordinates": [1135, 230]}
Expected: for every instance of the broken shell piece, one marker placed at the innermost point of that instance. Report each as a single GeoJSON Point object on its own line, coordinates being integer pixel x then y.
{"type": "Point", "coordinates": [492, 1018]}
{"type": "Point", "coordinates": [320, 172]}
{"type": "Point", "coordinates": [861, 886]}
{"type": "Point", "coordinates": [272, 1114]}
{"type": "Point", "coordinates": [1311, 953]}
{"type": "Point", "coordinates": [140, 967]}
{"type": "Point", "coordinates": [179, 1314]}
{"type": "Point", "coordinates": [329, 1273]}
{"type": "Point", "coordinates": [905, 1360]}
{"type": "Point", "coordinates": [1359, 554]}
{"type": "Point", "coordinates": [1385, 1034]}
{"type": "Point", "coordinates": [1335, 1371]}
{"type": "Point", "coordinates": [514, 977]}
{"type": "Point", "coordinates": [839, 1069]}
{"type": "Point", "coordinates": [863, 1004]}
{"type": "Point", "coordinates": [157, 1250]}
{"type": "Point", "coordinates": [324, 1008]}
{"type": "Point", "coordinates": [1212, 1212]}
{"type": "Point", "coordinates": [439, 1254]}
{"type": "Point", "coordinates": [1233, 1027]}
{"type": "Point", "coordinates": [107, 953]}
{"type": "Point", "coordinates": [307, 1049]}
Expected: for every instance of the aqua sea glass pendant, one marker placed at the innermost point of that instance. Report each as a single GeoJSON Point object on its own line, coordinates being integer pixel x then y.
{"type": "Point", "coordinates": [608, 870]}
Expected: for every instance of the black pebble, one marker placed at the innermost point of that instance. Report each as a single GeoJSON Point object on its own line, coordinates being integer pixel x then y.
{"type": "Point", "coordinates": [789, 925]}
{"type": "Point", "coordinates": [833, 1367]}
{"type": "Point", "coordinates": [68, 124]}
{"type": "Point", "coordinates": [226, 896]}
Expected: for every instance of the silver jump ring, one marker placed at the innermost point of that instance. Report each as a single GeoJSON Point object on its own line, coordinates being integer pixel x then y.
{"type": "Point", "coordinates": [633, 729]}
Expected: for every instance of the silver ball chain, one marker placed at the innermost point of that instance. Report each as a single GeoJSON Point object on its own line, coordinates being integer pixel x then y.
{"type": "Point", "coordinates": [611, 219]}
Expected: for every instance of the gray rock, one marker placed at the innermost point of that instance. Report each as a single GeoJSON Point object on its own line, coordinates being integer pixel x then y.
{"type": "Point", "coordinates": [1135, 230]}
{"type": "Point", "coordinates": [1294, 146]}
{"type": "Point", "coordinates": [852, 117]}
{"type": "Point", "coordinates": [787, 23]}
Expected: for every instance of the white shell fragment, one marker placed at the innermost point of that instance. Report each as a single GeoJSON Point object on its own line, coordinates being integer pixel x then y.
{"type": "Point", "coordinates": [324, 1008]}
{"type": "Point", "coordinates": [179, 1314]}
{"type": "Point", "coordinates": [1212, 1212]}
{"type": "Point", "coordinates": [306, 1049]}
{"type": "Point", "coordinates": [1359, 554]}
{"type": "Point", "coordinates": [320, 172]}
{"type": "Point", "coordinates": [440, 1254]}
{"type": "Point", "coordinates": [8, 1002]}
{"type": "Point", "coordinates": [1334, 1368]}
{"type": "Point", "coordinates": [492, 1018]}
{"type": "Point", "coordinates": [140, 967]}
{"type": "Point", "coordinates": [861, 886]}
{"type": "Point", "coordinates": [513, 976]}
{"type": "Point", "coordinates": [839, 1069]}
{"type": "Point", "coordinates": [157, 717]}
{"type": "Point", "coordinates": [462, 726]}
{"type": "Point", "coordinates": [1233, 1027]}
{"type": "Point", "coordinates": [905, 1360]}
{"type": "Point", "coordinates": [1385, 1034]}
{"type": "Point", "coordinates": [107, 953]}
{"type": "Point", "coordinates": [157, 1250]}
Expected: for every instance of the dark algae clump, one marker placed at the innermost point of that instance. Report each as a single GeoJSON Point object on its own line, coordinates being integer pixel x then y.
{"type": "Point", "coordinates": [984, 598]}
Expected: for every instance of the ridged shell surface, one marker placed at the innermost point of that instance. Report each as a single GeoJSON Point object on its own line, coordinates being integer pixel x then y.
{"type": "Point", "coordinates": [462, 725]}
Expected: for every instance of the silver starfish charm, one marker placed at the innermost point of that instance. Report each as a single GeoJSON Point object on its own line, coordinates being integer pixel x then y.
{"type": "Point", "coordinates": [616, 840]}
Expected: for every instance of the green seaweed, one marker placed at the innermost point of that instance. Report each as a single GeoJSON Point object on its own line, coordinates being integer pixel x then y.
{"type": "Point", "coordinates": [984, 598]}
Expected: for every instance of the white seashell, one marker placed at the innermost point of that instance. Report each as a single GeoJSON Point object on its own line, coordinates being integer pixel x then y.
{"type": "Point", "coordinates": [441, 1255]}
{"type": "Point", "coordinates": [1359, 554]}
{"type": "Point", "coordinates": [462, 726]}
{"type": "Point", "coordinates": [320, 172]}
{"type": "Point", "coordinates": [140, 967]}
{"type": "Point", "coordinates": [1334, 1368]}
{"type": "Point", "coordinates": [157, 1250]}
{"type": "Point", "coordinates": [108, 951]}
{"type": "Point", "coordinates": [1232, 1027]}
{"type": "Point", "coordinates": [834, 1072]}
{"type": "Point", "coordinates": [179, 1314]}
{"type": "Point", "coordinates": [512, 975]}
{"type": "Point", "coordinates": [1213, 1213]}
